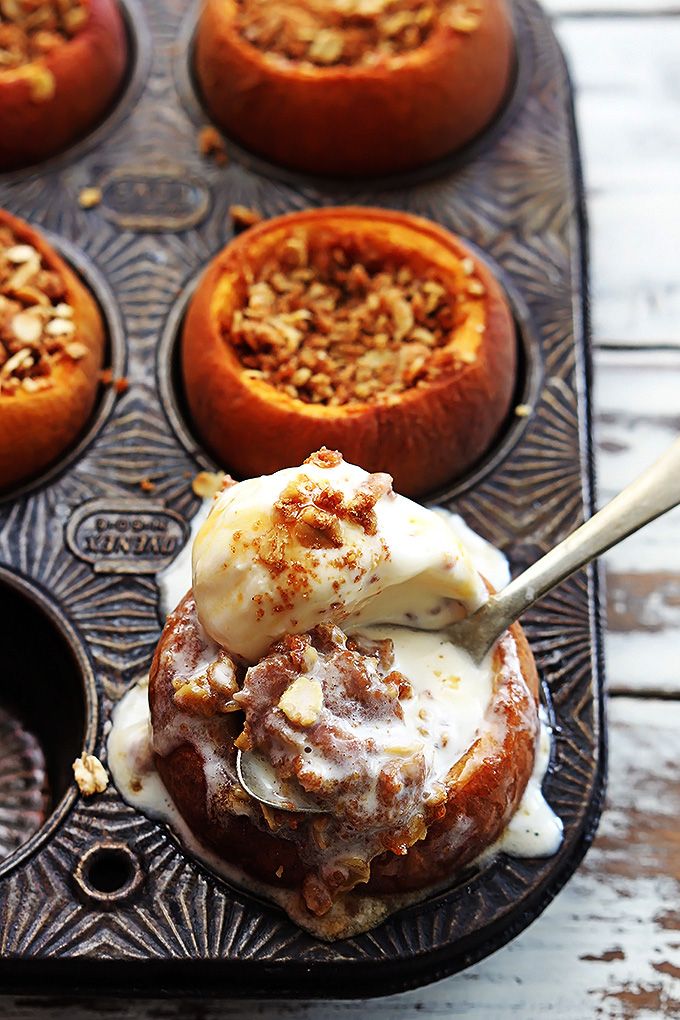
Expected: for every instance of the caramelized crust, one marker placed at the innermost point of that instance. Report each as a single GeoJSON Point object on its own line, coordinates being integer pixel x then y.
{"type": "Point", "coordinates": [483, 788]}
{"type": "Point", "coordinates": [396, 113]}
{"type": "Point", "coordinates": [50, 103]}
{"type": "Point", "coordinates": [423, 435]}
{"type": "Point", "coordinates": [37, 426]}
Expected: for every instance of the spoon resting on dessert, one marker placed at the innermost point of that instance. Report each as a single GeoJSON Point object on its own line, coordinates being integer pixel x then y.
{"type": "Point", "coordinates": [654, 493]}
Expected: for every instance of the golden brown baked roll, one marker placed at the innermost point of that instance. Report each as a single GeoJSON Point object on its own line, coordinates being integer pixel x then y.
{"type": "Point", "coordinates": [62, 63]}
{"type": "Point", "coordinates": [51, 350]}
{"type": "Point", "coordinates": [354, 87]}
{"type": "Point", "coordinates": [368, 331]}
{"type": "Point", "coordinates": [196, 730]}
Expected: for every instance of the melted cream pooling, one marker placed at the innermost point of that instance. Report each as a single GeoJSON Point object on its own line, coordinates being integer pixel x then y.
{"type": "Point", "coordinates": [455, 713]}
{"type": "Point", "coordinates": [534, 831]}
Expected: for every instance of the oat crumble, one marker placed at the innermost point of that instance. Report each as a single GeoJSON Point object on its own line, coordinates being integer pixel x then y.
{"type": "Point", "coordinates": [327, 33]}
{"type": "Point", "coordinates": [327, 322]}
{"type": "Point", "coordinates": [36, 322]}
{"type": "Point", "coordinates": [32, 29]}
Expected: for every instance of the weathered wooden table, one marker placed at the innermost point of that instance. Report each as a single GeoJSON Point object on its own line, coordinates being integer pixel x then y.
{"type": "Point", "coordinates": [609, 946]}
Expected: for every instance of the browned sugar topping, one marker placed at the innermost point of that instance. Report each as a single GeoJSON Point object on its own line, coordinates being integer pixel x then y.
{"type": "Point", "coordinates": [31, 29]}
{"type": "Point", "coordinates": [327, 323]}
{"type": "Point", "coordinates": [328, 33]}
{"type": "Point", "coordinates": [310, 514]}
{"type": "Point", "coordinates": [36, 323]}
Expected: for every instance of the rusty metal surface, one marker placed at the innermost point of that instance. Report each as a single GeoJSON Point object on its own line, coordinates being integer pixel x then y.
{"type": "Point", "coordinates": [81, 545]}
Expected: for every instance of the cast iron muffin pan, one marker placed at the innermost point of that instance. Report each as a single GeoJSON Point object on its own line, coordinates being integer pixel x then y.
{"type": "Point", "coordinates": [93, 895]}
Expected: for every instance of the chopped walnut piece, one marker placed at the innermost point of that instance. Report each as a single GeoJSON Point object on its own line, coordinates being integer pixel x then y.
{"type": "Point", "coordinates": [329, 33]}
{"type": "Point", "coordinates": [90, 774]}
{"type": "Point", "coordinates": [37, 325]}
{"type": "Point", "coordinates": [207, 484]}
{"type": "Point", "coordinates": [330, 321]}
{"type": "Point", "coordinates": [325, 458]}
{"type": "Point", "coordinates": [211, 144]}
{"type": "Point", "coordinates": [89, 198]}
{"type": "Point", "coordinates": [210, 693]}
{"type": "Point", "coordinates": [242, 217]}
{"type": "Point", "coordinates": [302, 702]}
{"type": "Point", "coordinates": [32, 29]}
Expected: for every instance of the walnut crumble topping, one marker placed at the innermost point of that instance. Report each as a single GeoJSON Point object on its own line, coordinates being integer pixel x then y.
{"type": "Point", "coordinates": [327, 323]}
{"type": "Point", "coordinates": [328, 33]}
{"type": "Point", "coordinates": [32, 29]}
{"type": "Point", "coordinates": [36, 322]}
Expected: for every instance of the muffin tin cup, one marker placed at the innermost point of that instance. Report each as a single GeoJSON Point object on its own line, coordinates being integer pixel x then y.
{"type": "Point", "coordinates": [114, 359]}
{"type": "Point", "coordinates": [189, 91]}
{"type": "Point", "coordinates": [138, 61]}
{"type": "Point", "coordinates": [100, 897]}
{"type": "Point", "coordinates": [48, 715]}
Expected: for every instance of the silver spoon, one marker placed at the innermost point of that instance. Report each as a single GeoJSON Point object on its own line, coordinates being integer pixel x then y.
{"type": "Point", "coordinates": [652, 494]}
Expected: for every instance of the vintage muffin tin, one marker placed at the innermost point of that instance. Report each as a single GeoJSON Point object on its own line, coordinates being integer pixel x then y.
{"type": "Point", "coordinates": [92, 894]}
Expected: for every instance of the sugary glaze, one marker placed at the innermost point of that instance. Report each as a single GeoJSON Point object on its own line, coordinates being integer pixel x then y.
{"type": "Point", "coordinates": [343, 33]}
{"type": "Point", "coordinates": [329, 321]}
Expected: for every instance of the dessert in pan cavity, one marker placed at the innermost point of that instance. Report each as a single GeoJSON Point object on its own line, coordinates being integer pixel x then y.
{"type": "Point", "coordinates": [313, 634]}
{"type": "Point", "coordinates": [51, 350]}
{"type": "Point", "coordinates": [62, 63]}
{"type": "Point", "coordinates": [369, 331]}
{"type": "Point", "coordinates": [354, 87]}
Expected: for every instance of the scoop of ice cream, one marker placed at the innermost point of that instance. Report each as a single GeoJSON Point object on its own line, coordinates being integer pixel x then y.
{"type": "Point", "coordinates": [325, 543]}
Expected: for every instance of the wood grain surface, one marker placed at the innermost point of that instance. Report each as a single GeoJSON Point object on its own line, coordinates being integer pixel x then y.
{"type": "Point", "coordinates": [609, 946]}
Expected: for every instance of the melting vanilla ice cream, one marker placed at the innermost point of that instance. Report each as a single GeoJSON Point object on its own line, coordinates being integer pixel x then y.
{"type": "Point", "coordinates": [325, 543]}
{"type": "Point", "coordinates": [290, 558]}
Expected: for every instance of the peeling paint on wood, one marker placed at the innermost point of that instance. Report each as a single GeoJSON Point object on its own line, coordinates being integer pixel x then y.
{"type": "Point", "coordinates": [637, 401]}
{"type": "Point", "coordinates": [628, 109]}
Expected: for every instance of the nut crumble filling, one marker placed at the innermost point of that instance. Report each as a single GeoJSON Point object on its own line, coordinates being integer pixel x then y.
{"type": "Point", "coordinates": [329, 322]}
{"type": "Point", "coordinates": [32, 29]}
{"type": "Point", "coordinates": [36, 322]}
{"type": "Point", "coordinates": [327, 33]}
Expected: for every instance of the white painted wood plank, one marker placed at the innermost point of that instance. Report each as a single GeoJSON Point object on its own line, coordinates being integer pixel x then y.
{"type": "Point", "coordinates": [637, 401]}
{"type": "Point", "coordinates": [608, 946]}
{"type": "Point", "coordinates": [627, 76]}
{"type": "Point", "coordinates": [576, 8]}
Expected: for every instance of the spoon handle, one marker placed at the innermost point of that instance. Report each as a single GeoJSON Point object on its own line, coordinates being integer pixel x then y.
{"type": "Point", "coordinates": [652, 494]}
